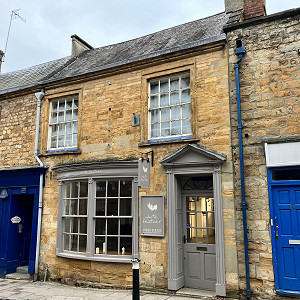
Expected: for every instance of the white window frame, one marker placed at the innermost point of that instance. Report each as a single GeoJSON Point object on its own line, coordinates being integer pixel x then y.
{"type": "Point", "coordinates": [159, 107]}
{"type": "Point", "coordinates": [61, 125]}
{"type": "Point", "coordinates": [111, 173]}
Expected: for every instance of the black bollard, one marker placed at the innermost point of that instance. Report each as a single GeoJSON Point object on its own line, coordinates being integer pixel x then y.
{"type": "Point", "coordinates": [135, 279]}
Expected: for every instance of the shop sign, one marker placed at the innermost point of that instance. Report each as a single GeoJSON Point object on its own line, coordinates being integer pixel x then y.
{"type": "Point", "coordinates": [152, 216]}
{"type": "Point", "coordinates": [144, 173]}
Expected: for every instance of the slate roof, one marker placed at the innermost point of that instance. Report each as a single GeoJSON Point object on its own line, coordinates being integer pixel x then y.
{"type": "Point", "coordinates": [29, 76]}
{"type": "Point", "coordinates": [185, 36]}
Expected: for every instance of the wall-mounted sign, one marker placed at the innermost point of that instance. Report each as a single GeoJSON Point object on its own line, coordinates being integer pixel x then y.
{"type": "Point", "coordinates": [152, 216]}
{"type": "Point", "coordinates": [16, 220]}
{"type": "Point", "coordinates": [144, 173]}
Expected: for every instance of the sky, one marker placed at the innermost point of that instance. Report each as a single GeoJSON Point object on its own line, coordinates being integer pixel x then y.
{"type": "Point", "coordinates": [46, 34]}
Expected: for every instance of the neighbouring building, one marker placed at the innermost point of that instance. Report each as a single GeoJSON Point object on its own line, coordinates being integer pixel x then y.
{"type": "Point", "coordinates": [79, 135]}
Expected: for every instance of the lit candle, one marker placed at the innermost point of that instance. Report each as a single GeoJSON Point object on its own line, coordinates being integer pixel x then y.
{"type": "Point", "coordinates": [104, 248]}
{"type": "Point", "coordinates": [123, 250]}
{"type": "Point", "coordinates": [97, 250]}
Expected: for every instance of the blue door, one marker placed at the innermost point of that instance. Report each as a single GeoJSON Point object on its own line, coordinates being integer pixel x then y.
{"type": "Point", "coordinates": [286, 237]}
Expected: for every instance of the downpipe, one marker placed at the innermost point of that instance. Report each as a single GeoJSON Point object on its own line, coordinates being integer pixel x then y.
{"type": "Point", "coordinates": [240, 51]}
{"type": "Point", "coordinates": [39, 96]}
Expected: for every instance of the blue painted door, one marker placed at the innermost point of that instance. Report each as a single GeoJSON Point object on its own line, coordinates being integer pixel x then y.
{"type": "Point", "coordinates": [286, 236]}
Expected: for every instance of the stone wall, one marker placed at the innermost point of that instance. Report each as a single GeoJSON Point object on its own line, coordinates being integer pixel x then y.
{"type": "Point", "coordinates": [17, 131]}
{"type": "Point", "coordinates": [106, 108]}
{"type": "Point", "coordinates": [270, 90]}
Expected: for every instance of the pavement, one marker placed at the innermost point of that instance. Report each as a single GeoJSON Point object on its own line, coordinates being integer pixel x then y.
{"type": "Point", "coordinates": [11, 289]}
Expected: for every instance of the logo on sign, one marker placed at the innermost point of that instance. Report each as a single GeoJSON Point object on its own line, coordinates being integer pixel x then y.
{"type": "Point", "coordinates": [16, 220]}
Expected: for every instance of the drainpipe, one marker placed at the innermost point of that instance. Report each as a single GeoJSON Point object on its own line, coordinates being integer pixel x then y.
{"type": "Point", "coordinates": [240, 51]}
{"type": "Point", "coordinates": [39, 97]}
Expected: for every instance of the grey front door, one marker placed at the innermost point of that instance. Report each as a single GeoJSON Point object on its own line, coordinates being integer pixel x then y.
{"type": "Point", "coordinates": [199, 242]}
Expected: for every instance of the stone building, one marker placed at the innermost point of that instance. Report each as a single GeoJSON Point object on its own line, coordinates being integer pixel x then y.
{"type": "Point", "coordinates": [269, 76]}
{"type": "Point", "coordinates": [79, 135]}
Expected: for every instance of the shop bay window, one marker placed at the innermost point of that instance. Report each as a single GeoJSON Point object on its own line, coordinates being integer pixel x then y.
{"type": "Point", "coordinates": [169, 107]}
{"type": "Point", "coordinates": [97, 219]}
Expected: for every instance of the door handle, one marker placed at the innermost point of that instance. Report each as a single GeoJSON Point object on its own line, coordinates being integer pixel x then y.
{"type": "Point", "coordinates": [184, 239]}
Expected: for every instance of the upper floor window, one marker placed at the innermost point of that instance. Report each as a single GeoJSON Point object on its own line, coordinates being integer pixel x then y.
{"type": "Point", "coordinates": [63, 124]}
{"type": "Point", "coordinates": [169, 108]}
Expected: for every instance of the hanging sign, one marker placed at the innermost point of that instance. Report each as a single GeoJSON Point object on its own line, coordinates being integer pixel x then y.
{"type": "Point", "coordinates": [16, 220]}
{"type": "Point", "coordinates": [152, 216]}
{"type": "Point", "coordinates": [144, 173]}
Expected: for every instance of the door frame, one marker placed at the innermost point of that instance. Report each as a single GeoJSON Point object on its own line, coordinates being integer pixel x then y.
{"type": "Point", "coordinates": [271, 184]}
{"type": "Point", "coordinates": [192, 160]}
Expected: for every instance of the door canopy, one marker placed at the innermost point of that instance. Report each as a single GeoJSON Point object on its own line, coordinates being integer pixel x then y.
{"type": "Point", "coordinates": [193, 155]}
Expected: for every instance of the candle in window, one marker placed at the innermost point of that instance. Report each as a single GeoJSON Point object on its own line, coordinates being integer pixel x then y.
{"type": "Point", "coordinates": [97, 250]}
{"type": "Point", "coordinates": [104, 248]}
{"type": "Point", "coordinates": [123, 250]}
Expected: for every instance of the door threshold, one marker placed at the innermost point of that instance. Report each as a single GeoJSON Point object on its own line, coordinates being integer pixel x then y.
{"type": "Point", "coordinates": [195, 292]}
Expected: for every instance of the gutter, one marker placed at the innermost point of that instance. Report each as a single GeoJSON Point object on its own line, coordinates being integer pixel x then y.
{"type": "Point", "coordinates": [240, 51]}
{"type": "Point", "coordinates": [39, 97]}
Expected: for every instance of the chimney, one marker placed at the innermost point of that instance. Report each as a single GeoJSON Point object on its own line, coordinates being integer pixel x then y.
{"type": "Point", "coordinates": [239, 10]}
{"type": "Point", "coordinates": [79, 45]}
{"type": "Point", "coordinates": [1, 57]}
{"type": "Point", "coordinates": [254, 8]}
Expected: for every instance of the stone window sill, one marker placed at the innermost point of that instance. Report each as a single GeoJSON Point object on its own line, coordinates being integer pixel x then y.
{"type": "Point", "coordinates": [189, 140]}
{"type": "Point", "coordinates": [61, 152]}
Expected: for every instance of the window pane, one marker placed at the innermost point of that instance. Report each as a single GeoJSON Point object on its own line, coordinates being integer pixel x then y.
{"type": "Point", "coordinates": [75, 104]}
{"type": "Point", "coordinates": [83, 189]}
{"type": "Point", "coordinates": [174, 84]}
{"type": "Point", "coordinates": [125, 188]}
{"type": "Point", "coordinates": [164, 99]}
{"type": "Point", "coordinates": [210, 220]}
{"type": "Point", "coordinates": [54, 130]}
{"type": "Point", "coordinates": [125, 246]}
{"type": "Point", "coordinates": [68, 115]}
{"type": "Point", "coordinates": [66, 238]}
{"type": "Point", "coordinates": [99, 249]}
{"type": "Point", "coordinates": [155, 116]}
{"type": "Point", "coordinates": [174, 98]}
{"type": "Point", "coordinates": [67, 225]}
{"type": "Point", "coordinates": [112, 245]}
{"type": "Point", "coordinates": [53, 142]}
{"type": "Point", "coordinates": [61, 116]}
{"type": "Point", "coordinates": [155, 130]}
{"type": "Point", "coordinates": [69, 104]}
{"type": "Point", "coordinates": [165, 129]}
{"type": "Point", "coordinates": [75, 127]}
{"type": "Point", "coordinates": [201, 236]}
{"type": "Point", "coordinates": [83, 207]}
{"type": "Point", "coordinates": [185, 82]}
{"type": "Point", "coordinates": [75, 114]}
{"type": "Point", "coordinates": [125, 207]}
{"type": "Point", "coordinates": [61, 105]}
{"type": "Point", "coordinates": [190, 219]}
{"type": "Point", "coordinates": [66, 207]}
{"type": "Point", "coordinates": [74, 189]}
{"type": "Point", "coordinates": [68, 140]}
{"type": "Point", "coordinates": [53, 118]}
{"type": "Point", "coordinates": [211, 236]}
{"type": "Point", "coordinates": [74, 225]}
{"type": "Point", "coordinates": [175, 127]}
{"type": "Point", "coordinates": [100, 226]}
{"type": "Point", "coordinates": [100, 207]}
{"type": "Point", "coordinates": [186, 111]}
{"type": "Point", "coordinates": [125, 226]}
{"type": "Point", "coordinates": [112, 207]}
{"type": "Point", "coordinates": [175, 112]}
{"type": "Point", "coordinates": [112, 188]}
{"type": "Point", "coordinates": [191, 235]}
{"type": "Point", "coordinates": [153, 101]}
{"type": "Point", "coordinates": [54, 106]}
{"type": "Point", "coordinates": [62, 129]}
{"type": "Point", "coordinates": [61, 140]}
{"type": "Point", "coordinates": [165, 114]}
{"type": "Point", "coordinates": [164, 85]}
{"type": "Point", "coordinates": [154, 88]}
{"type": "Point", "coordinates": [201, 219]}
{"type": "Point", "coordinates": [69, 128]}
{"type": "Point", "coordinates": [83, 225]}
{"type": "Point", "coordinates": [82, 243]}
{"type": "Point", "coordinates": [73, 207]}
{"type": "Point", "coordinates": [68, 190]}
{"type": "Point", "coordinates": [100, 188]}
{"type": "Point", "coordinates": [74, 140]}
{"type": "Point", "coordinates": [112, 226]}
{"type": "Point", "coordinates": [190, 204]}
{"type": "Point", "coordinates": [185, 96]}
{"type": "Point", "coordinates": [74, 242]}
{"type": "Point", "coordinates": [186, 126]}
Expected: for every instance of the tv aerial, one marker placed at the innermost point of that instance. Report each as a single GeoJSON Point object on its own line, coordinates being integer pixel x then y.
{"type": "Point", "coordinates": [14, 15]}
